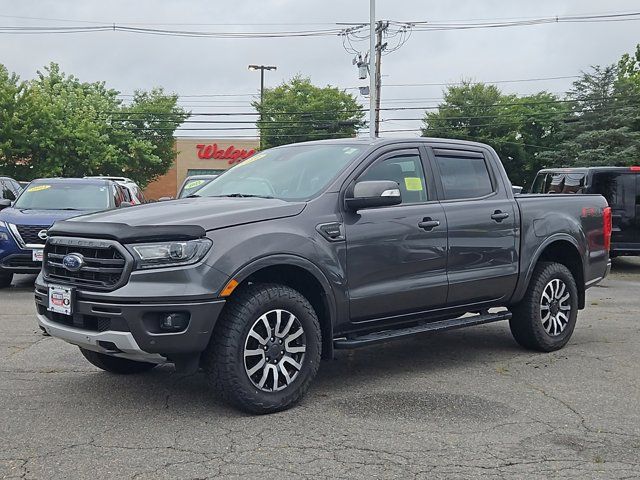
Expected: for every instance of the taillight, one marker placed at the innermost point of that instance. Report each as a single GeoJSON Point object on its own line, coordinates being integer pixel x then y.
{"type": "Point", "coordinates": [607, 227]}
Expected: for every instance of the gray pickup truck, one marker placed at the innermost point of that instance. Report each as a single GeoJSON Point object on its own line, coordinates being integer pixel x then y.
{"type": "Point", "coordinates": [307, 248]}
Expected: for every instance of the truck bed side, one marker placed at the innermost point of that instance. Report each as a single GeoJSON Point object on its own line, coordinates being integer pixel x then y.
{"type": "Point", "coordinates": [570, 226]}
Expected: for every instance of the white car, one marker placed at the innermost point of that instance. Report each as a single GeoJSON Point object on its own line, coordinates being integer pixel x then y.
{"type": "Point", "coordinates": [132, 188]}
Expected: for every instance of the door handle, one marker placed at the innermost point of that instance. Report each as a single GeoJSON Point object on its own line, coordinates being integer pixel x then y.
{"type": "Point", "coordinates": [499, 216]}
{"type": "Point", "coordinates": [428, 224]}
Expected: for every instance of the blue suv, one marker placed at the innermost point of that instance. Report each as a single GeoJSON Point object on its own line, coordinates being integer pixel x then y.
{"type": "Point", "coordinates": [25, 221]}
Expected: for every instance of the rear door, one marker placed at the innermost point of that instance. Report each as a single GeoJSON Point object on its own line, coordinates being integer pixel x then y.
{"type": "Point", "coordinates": [482, 226]}
{"type": "Point", "coordinates": [620, 188]}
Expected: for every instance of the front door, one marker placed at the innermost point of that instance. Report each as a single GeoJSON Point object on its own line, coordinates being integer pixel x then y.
{"type": "Point", "coordinates": [396, 256]}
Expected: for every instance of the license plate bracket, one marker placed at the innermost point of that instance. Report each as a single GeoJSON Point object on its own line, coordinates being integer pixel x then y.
{"type": "Point", "coordinates": [61, 299]}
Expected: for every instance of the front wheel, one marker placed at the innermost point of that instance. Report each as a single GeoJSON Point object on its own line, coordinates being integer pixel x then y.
{"type": "Point", "coordinates": [545, 318]}
{"type": "Point", "coordinates": [111, 364]}
{"type": "Point", "coordinates": [265, 349]}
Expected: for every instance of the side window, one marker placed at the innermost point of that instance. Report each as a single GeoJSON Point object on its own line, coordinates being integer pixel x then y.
{"type": "Point", "coordinates": [464, 177]}
{"type": "Point", "coordinates": [6, 192]}
{"type": "Point", "coordinates": [404, 169]}
{"type": "Point", "coordinates": [540, 183]}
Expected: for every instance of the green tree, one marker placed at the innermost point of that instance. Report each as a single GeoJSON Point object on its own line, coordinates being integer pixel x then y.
{"type": "Point", "coordinates": [604, 126]}
{"type": "Point", "coordinates": [12, 132]}
{"type": "Point", "coordinates": [518, 128]}
{"type": "Point", "coordinates": [298, 111]}
{"type": "Point", "coordinates": [71, 128]}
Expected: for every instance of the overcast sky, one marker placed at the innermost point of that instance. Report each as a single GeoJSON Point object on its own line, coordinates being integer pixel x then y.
{"type": "Point", "coordinates": [192, 66]}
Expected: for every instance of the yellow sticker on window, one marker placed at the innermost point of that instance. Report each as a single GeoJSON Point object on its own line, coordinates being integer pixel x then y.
{"type": "Point", "coordinates": [193, 184]}
{"type": "Point", "coordinates": [413, 184]}
{"type": "Point", "coordinates": [38, 188]}
{"type": "Point", "coordinates": [253, 158]}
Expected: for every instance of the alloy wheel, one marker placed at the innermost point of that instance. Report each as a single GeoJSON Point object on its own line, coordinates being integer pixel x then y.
{"type": "Point", "coordinates": [555, 307]}
{"type": "Point", "coordinates": [274, 350]}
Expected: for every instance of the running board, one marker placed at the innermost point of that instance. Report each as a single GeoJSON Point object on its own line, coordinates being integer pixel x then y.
{"type": "Point", "coordinates": [450, 324]}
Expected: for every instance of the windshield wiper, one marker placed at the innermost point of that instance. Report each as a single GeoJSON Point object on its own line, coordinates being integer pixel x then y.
{"type": "Point", "coordinates": [193, 195]}
{"type": "Point", "coordinates": [67, 208]}
{"type": "Point", "coordinates": [243, 195]}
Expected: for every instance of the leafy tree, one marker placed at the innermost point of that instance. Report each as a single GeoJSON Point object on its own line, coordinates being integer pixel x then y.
{"type": "Point", "coordinates": [603, 128]}
{"type": "Point", "coordinates": [298, 111]}
{"type": "Point", "coordinates": [12, 132]}
{"type": "Point", "coordinates": [71, 128]}
{"type": "Point", "coordinates": [518, 128]}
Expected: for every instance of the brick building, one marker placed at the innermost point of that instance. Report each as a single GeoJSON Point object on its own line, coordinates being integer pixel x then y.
{"type": "Point", "coordinates": [197, 156]}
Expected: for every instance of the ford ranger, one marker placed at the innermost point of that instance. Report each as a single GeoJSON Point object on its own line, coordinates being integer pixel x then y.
{"type": "Point", "coordinates": [307, 248]}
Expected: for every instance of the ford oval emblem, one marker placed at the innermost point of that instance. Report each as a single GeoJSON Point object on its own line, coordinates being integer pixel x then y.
{"type": "Point", "coordinates": [73, 262]}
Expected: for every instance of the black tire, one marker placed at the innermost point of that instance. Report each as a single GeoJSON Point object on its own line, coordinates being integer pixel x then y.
{"type": "Point", "coordinates": [224, 360]}
{"type": "Point", "coordinates": [121, 366]}
{"type": "Point", "coordinates": [527, 324]}
{"type": "Point", "coordinates": [5, 279]}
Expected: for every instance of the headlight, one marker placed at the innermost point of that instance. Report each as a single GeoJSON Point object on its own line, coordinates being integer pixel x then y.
{"type": "Point", "coordinates": [4, 236]}
{"type": "Point", "coordinates": [170, 254]}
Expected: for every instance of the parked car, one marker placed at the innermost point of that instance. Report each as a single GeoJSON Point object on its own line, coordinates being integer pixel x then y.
{"type": "Point", "coordinates": [24, 223]}
{"type": "Point", "coordinates": [619, 185]}
{"type": "Point", "coordinates": [194, 183]}
{"type": "Point", "coordinates": [9, 189]}
{"type": "Point", "coordinates": [134, 193]}
{"type": "Point", "coordinates": [311, 247]}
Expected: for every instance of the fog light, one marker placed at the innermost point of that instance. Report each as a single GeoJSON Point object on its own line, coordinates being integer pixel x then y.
{"type": "Point", "coordinates": [174, 322]}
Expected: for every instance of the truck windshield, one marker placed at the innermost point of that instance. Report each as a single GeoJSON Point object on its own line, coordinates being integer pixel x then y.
{"type": "Point", "coordinates": [64, 196]}
{"type": "Point", "coordinates": [294, 172]}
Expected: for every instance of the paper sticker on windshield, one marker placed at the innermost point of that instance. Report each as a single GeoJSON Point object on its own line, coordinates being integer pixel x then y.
{"type": "Point", "coordinates": [349, 150]}
{"type": "Point", "coordinates": [253, 158]}
{"type": "Point", "coordinates": [38, 188]}
{"type": "Point", "coordinates": [193, 184]}
{"type": "Point", "coordinates": [413, 184]}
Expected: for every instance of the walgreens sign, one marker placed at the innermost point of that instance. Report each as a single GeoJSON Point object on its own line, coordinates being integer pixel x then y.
{"type": "Point", "coordinates": [231, 153]}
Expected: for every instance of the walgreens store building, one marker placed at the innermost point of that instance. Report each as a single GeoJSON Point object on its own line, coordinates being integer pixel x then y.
{"type": "Point", "coordinates": [200, 156]}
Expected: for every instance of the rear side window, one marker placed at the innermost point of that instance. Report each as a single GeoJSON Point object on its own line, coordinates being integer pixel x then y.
{"type": "Point", "coordinates": [6, 192]}
{"type": "Point", "coordinates": [464, 177]}
{"type": "Point", "coordinates": [618, 188]}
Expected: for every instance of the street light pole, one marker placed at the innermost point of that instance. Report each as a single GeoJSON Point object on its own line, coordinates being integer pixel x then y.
{"type": "Point", "coordinates": [262, 68]}
{"type": "Point", "coordinates": [372, 69]}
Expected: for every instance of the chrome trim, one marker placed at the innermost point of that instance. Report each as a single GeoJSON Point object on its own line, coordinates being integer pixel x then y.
{"type": "Point", "coordinates": [124, 341]}
{"type": "Point", "coordinates": [18, 239]}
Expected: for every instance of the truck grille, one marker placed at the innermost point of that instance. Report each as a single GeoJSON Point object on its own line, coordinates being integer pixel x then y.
{"type": "Point", "coordinates": [105, 264]}
{"type": "Point", "coordinates": [29, 233]}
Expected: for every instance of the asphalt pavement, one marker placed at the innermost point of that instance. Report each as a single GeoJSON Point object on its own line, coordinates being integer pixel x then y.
{"type": "Point", "coordinates": [463, 404]}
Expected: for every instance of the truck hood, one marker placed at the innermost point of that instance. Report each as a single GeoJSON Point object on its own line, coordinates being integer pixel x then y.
{"type": "Point", "coordinates": [210, 213]}
{"type": "Point", "coordinates": [36, 217]}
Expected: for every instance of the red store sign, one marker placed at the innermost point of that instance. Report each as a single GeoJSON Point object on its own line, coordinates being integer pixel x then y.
{"type": "Point", "coordinates": [232, 154]}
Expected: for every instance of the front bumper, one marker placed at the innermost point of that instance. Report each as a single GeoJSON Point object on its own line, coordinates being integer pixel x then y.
{"type": "Point", "coordinates": [125, 328]}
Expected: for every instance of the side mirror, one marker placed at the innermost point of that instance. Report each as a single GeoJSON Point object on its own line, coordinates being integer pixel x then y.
{"type": "Point", "coordinates": [372, 194]}
{"type": "Point", "coordinates": [4, 203]}
{"type": "Point", "coordinates": [126, 204]}
{"type": "Point", "coordinates": [517, 190]}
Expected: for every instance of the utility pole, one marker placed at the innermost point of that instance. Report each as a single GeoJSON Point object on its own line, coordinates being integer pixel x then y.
{"type": "Point", "coordinates": [373, 75]}
{"type": "Point", "coordinates": [381, 27]}
{"type": "Point", "coordinates": [262, 68]}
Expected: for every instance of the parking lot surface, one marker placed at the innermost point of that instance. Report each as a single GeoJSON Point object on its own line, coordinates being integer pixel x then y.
{"type": "Point", "coordinates": [461, 404]}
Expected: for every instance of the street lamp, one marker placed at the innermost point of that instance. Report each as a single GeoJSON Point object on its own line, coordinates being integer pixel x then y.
{"type": "Point", "coordinates": [262, 68]}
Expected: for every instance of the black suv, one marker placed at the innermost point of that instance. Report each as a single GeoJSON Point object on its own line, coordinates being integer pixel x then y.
{"type": "Point", "coordinates": [619, 185]}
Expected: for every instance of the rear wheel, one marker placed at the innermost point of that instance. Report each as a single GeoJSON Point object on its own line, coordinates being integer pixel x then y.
{"type": "Point", "coordinates": [265, 349]}
{"type": "Point", "coordinates": [122, 366]}
{"type": "Point", "coordinates": [5, 279]}
{"type": "Point", "coordinates": [545, 318]}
